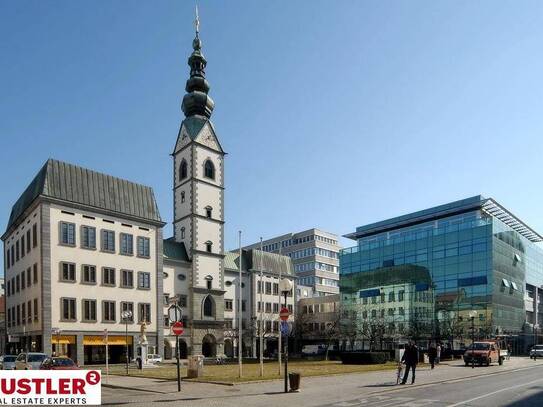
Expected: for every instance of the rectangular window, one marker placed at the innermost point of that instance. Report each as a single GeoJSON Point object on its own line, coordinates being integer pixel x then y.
{"type": "Point", "coordinates": [127, 306]}
{"type": "Point", "coordinates": [289, 307]}
{"type": "Point", "coordinates": [23, 247]}
{"type": "Point", "coordinates": [182, 301]}
{"type": "Point", "coordinates": [35, 309]}
{"type": "Point", "coordinates": [35, 272]}
{"type": "Point", "coordinates": [23, 280]}
{"type": "Point", "coordinates": [29, 276]}
{"type": "Point", "coordinates": [143, 247]}
{"type": "Point", "coordinates": [29, 312]}
{"type": "Point", "coordinates": [67, 272]}
{"type": "Point", "coordinates": [401, 295]}
{"type": "Point", "coordinates": [108, 241]}
{"type": "Point", "coordinates": [228, 305]}
{"type": "Point", "coordinates": [275, 308]}
{"type": "Point", "coordinates": [268, 288]}
{"type": "Point", "coordinates": [23, 313]}
{"type": "Point", "coordinates": [28, 241]}
{"type": "Point", "coordinates": [88, 274]}
{"type": "Point", "coordinates": [8, 289]}
{"type": "Point", "coordinates": [12, 255]}
{"type": "Point", "coordinates": [17, 282]}
{"type": "Point", "coordinates": [108, 276]}
{"type": "Point", "coordinates": [34, 235]}
{"type": "Point", "coordinates": [127, 279]}
{"type": "Point", "coordinates": [8, 260]}
{"type": "Point", "coordinates": [17, 250]}
{"type": "Point", "coordinates": [89, 310]}
{"type": "Point", "coordinates": [88, 237]}
{"type": "Point", "coordinates": [67, 233]}
{"type": "Point", "coordinates": [258, 287]}
{"type": "Point", "coordinates": [18, 315]}
{"type": "Point", "coordinates": [275, 289]}
{"type": "Point", "coordinates": [108, 311]}
{"type": "Point", "coordinates": [268, 307]}
{"type": "Point", "coordinates": [127, 244]}
{"type": "Point", "coordinates": [144, 280]}
{"type": "Point", "coordinates": [144, 312]}
{"type": "Point", "coordinates": [68, 309]}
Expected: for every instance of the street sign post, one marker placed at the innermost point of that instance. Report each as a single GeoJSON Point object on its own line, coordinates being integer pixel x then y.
{"type": "Point", "coordinates": [174, 313]}
{"type": "Point", "coordinates": [284, 314]}
{"type": "Point", "coordinates": [284, 328]}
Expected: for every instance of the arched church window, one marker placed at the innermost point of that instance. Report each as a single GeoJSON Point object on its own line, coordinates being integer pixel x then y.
{"type": "Point", "coordinates": [209, 246]}
{"type": "Point", "coordinates": [209, 307]}
{"type": "Point", "coordinates": [209, 169]}
{"type": "Point", "coordinates": [183, 171]}
{"type": "Point", "coordinates": [209, 211]}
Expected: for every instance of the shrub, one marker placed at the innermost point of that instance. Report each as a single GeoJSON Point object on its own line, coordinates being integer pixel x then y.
{"type": "Point", "coordinates": [364, 358]}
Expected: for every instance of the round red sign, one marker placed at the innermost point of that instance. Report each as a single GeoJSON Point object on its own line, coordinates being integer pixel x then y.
{"type": "Point", "coordinates": [284, 314]}
{"type": "Point", "coordinates": [177, 328]}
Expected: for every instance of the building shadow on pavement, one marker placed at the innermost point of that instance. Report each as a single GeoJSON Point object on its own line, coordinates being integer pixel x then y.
{"type": "Point", "coordinates": [531, 400]}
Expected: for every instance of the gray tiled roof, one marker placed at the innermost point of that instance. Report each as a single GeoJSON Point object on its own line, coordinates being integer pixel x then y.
{"type": "Point", "coordinates": [67, 182]}
{"type": "Point", "coordinates": [175, 250]}
{"type": "Point", "coordinates": [271, 262]}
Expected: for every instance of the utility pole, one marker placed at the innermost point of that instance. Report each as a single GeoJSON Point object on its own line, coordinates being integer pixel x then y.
{"type": "Point", "coordinates": [260, 325]}
{"type": "Point", "coordinates": [240, 313]}
{"type": "Point", "coordinates": [280, 348]}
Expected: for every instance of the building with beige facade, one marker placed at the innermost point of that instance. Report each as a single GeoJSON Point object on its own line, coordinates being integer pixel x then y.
{"type": "Point", "coordinates": [80, 248]}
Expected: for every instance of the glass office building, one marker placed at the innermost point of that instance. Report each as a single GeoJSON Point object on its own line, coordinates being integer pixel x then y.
{"type": "Point", "coordinates": [439, 272]}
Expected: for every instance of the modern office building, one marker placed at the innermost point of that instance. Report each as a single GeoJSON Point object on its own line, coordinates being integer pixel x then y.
{"type": "Point", "coordinates": [315, 256]}
{"type": "Point", "coordinates": [434, 272]}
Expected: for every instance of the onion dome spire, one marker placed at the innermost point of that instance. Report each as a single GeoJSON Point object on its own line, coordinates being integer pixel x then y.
{"type": "Point", "coordinates": [196, 101]}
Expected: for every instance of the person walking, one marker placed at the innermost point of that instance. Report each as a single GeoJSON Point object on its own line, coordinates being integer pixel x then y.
{"type": "Point", "coordinates": [410, 358]}
{"type": "Point", "coordinates": [432, 354]}
{"type": "Point", "coordinates": [509, 351]}
{"type": "Point", "coordinates": [438, 356]}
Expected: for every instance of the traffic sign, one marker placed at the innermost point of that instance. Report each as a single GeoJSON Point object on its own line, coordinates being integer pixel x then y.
{"type": "Point", "coordinates": [284, 327]}
{"type": "Point", "coordinates": [177, 328]}
{"type": "Point", "coordinates": [284, 314]}
{"type": "Point", "coordinates": [174, 313]}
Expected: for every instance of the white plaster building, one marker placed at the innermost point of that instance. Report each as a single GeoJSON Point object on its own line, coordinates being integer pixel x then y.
{"type": "Point", "coordinates": [80, 247]}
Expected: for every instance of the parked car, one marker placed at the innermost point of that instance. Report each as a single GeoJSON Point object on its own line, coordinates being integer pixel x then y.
{"type": "Point", "coordinates": [311, 350]}
{"type": "Point", "coordinates": [154, 358]}
{"type": "Point", "coordinates": [59, 363]}
{"type": "Point", "coordinates": [7, 362]}
{"type": "Point", "coordinates": [29, 361]}
{"type": "Point", "coordinates": [536, 351]}
{"type": "Point", "coordinates": [483, 352]}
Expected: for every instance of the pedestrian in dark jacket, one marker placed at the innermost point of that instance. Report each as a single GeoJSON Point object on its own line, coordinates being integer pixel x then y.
{"type": "Point", "coordinates": [432, 354]}
{"type": "Point", "coordinates": [410, 358]}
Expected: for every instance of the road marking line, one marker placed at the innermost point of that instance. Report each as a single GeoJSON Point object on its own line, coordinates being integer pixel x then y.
{"type": "Point", "coordinates": [494, 392]}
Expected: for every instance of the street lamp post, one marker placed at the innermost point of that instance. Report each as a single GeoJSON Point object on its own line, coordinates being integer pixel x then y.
{"type": "Point", "coordinates": [472, 315]}
{"type": "Point", "coordinates": [126, 315]}
{"type": "Point", "coordinates": [285, 285]}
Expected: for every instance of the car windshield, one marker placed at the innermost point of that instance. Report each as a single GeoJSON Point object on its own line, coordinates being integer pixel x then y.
{"type": "Point", "coordinates": [480, 346]}
{"type": "Point", "coordinates": [63, 362]}
{"type": "Point", "coordinates": [36, 358]}
{"type": "Point", "coordinates": [9, 358]}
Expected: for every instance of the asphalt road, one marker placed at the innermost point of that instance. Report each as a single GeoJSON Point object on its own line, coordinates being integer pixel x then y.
{"type": "Point", "coordinates": [521, 388]}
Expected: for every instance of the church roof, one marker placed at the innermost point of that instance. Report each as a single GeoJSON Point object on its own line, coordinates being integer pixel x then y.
{"type": "Point", "coordinates": [77, 185]}
{"type": "Point", "coordinates": [175, 250]}
{"type": "Point", "coordinates": [271, 262]}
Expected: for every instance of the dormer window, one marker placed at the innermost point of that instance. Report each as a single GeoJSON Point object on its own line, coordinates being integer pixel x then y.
{"type": "Point", "coordinates": [209, 169]}
{"type": "Point", "coordinates": [183, 170]}
{"type": "Point", "coordinates": [209, 246]}
{"type": "Point", "coordinates": [209, 211]}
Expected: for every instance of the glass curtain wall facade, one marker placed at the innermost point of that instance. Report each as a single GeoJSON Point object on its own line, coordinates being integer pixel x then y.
{"type": "Point", "coordinates": [429, 279]}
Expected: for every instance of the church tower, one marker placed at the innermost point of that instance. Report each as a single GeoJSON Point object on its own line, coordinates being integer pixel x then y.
{"type": "Point", "coordinates": [198, 161]}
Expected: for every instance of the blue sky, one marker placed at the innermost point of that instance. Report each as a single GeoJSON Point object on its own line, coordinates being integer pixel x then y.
{"type": "Point", "coordinates": [333, 113]}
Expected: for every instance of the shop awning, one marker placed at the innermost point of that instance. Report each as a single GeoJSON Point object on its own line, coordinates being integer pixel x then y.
{"type": "Point", "coordinates": [98, 340]}
{"type": "Point", "coordinates": [63, 339]}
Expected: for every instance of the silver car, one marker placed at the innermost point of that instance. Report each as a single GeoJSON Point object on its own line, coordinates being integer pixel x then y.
{"type": "Point", "coordinates": [7, 362]}
{"type": "Point", "coordinates": [536, 351]}
{"type": "Point", "coordinates": [29, 361]}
